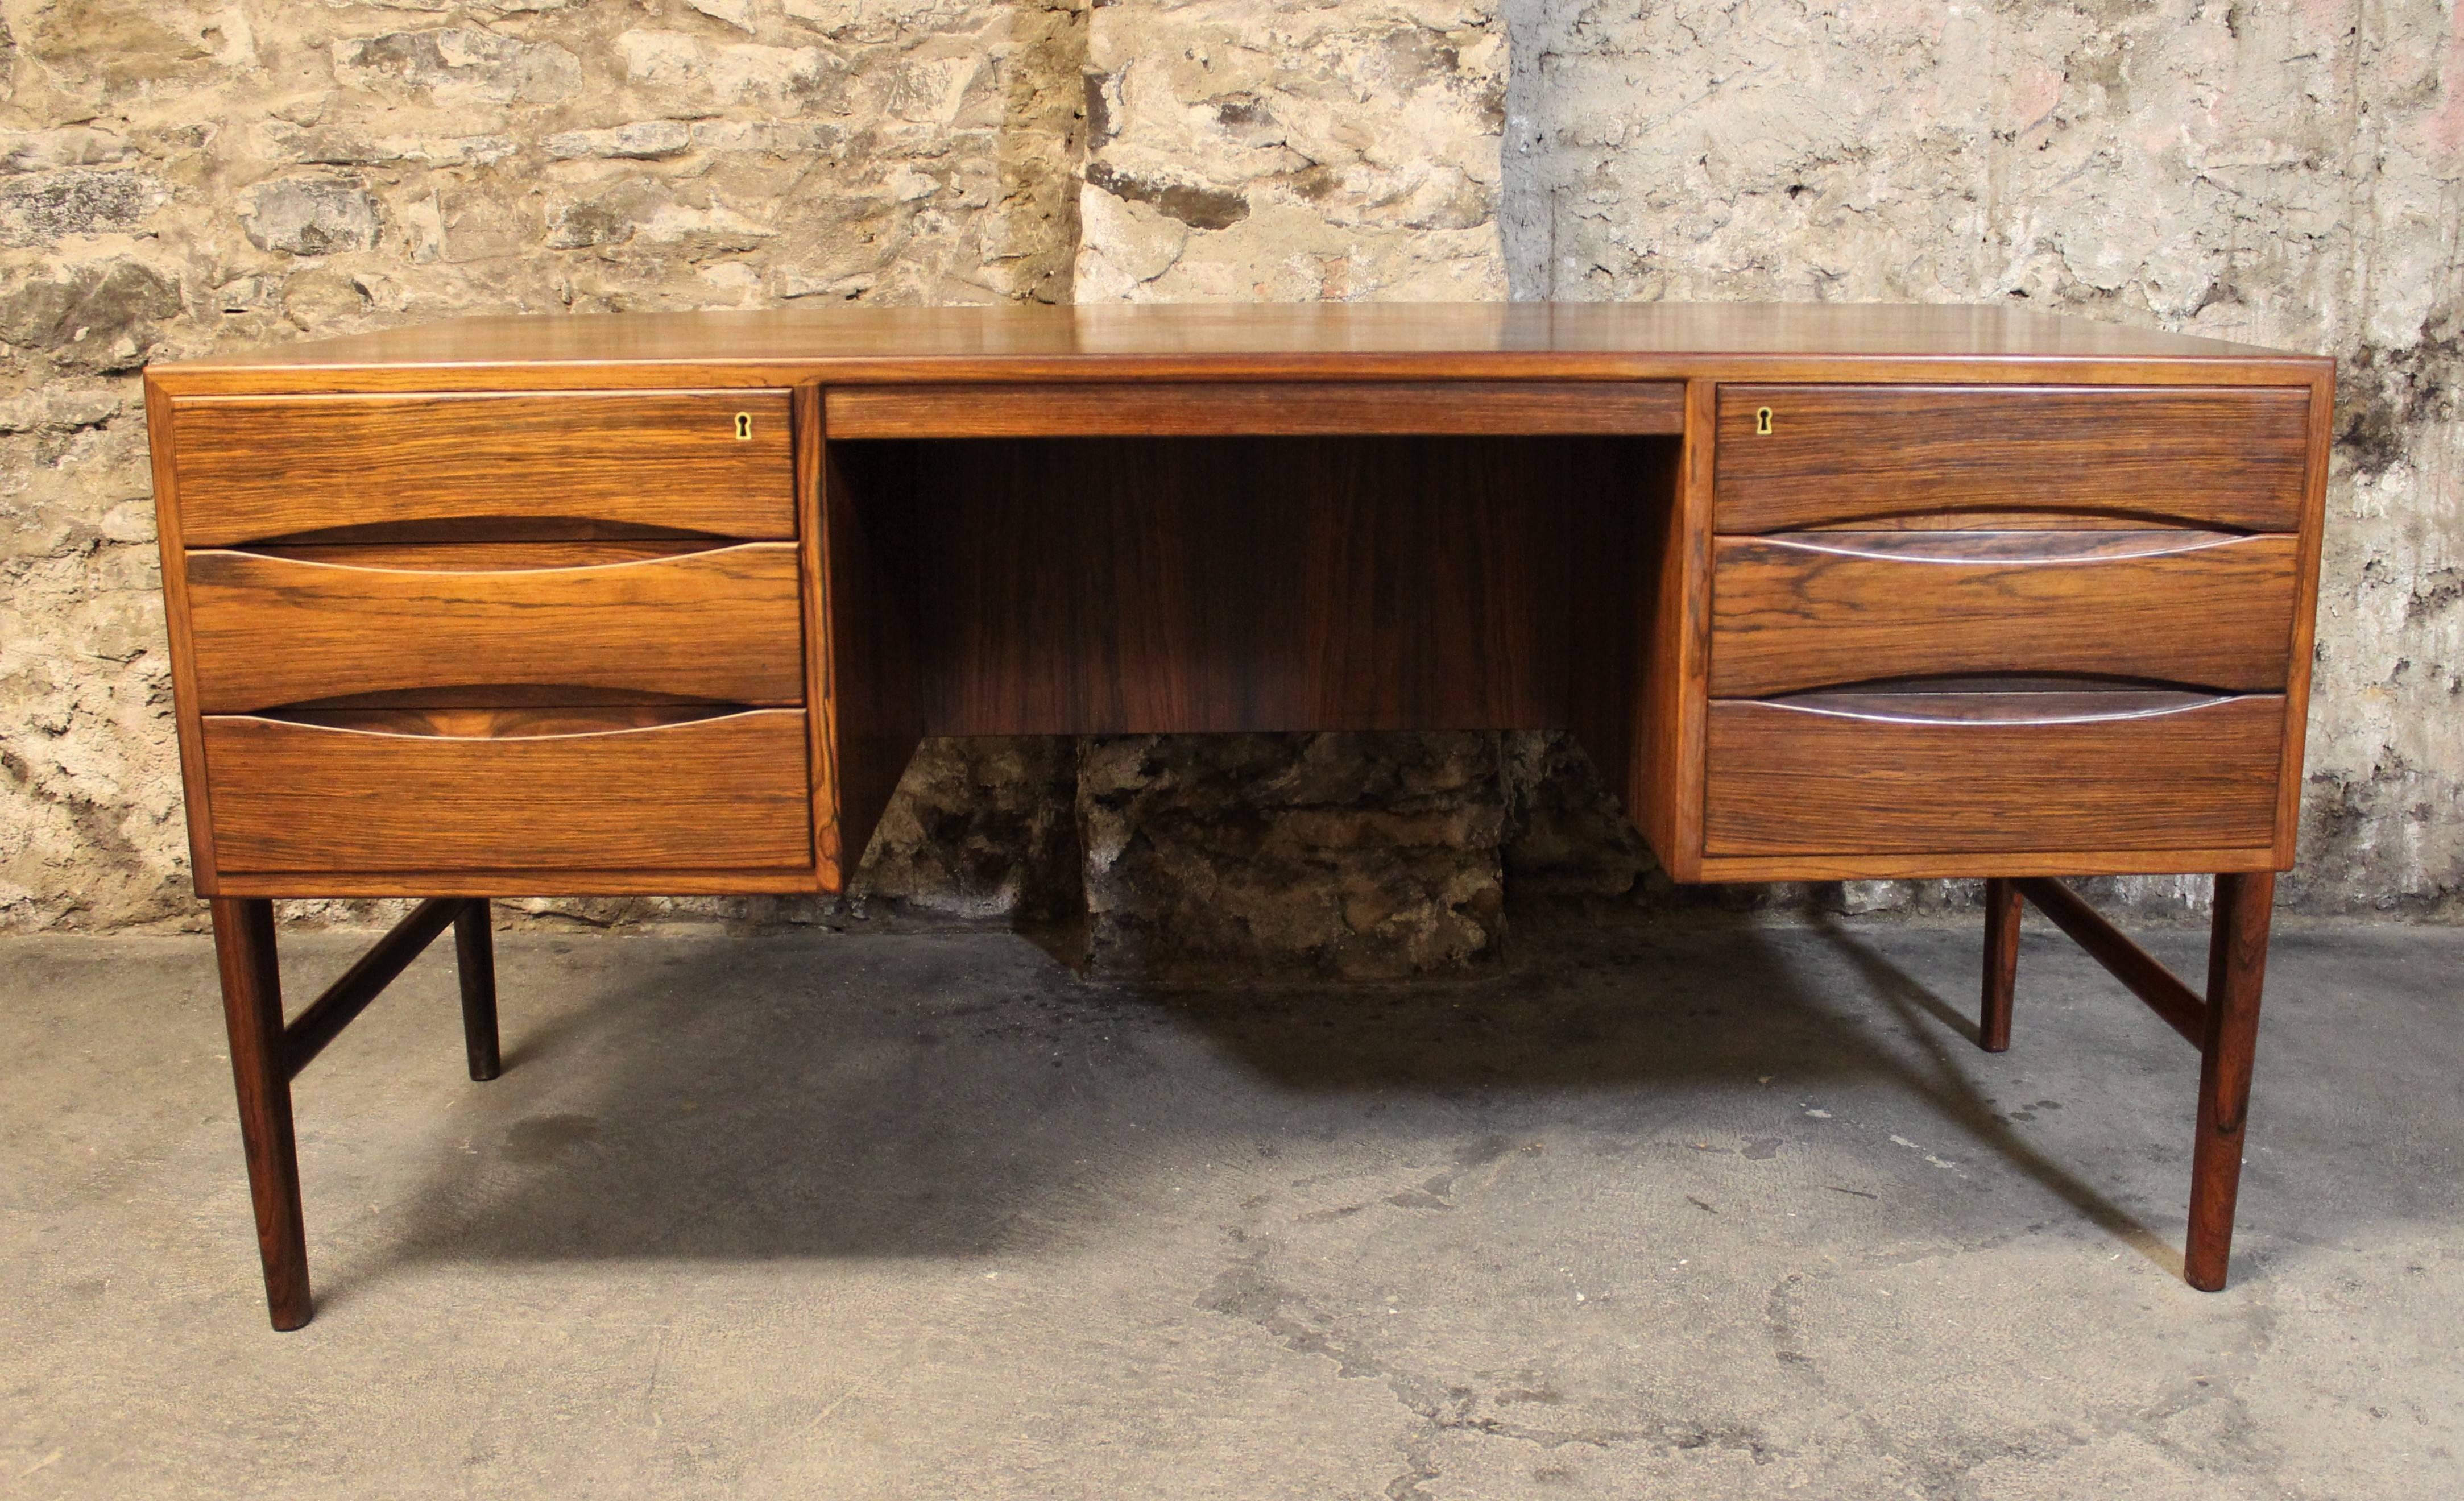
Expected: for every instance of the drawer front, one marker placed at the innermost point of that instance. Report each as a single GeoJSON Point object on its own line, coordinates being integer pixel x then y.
{"type": "Point", "coordinates": [719, 626]}
{"type": "Point", "coordinates": [1826, 608]}
{"type": "Point", "coordinates": [548, 464]}
{"type": "Point", "coordinates": [1158, 410]}
{"type": "Point", "coordinates": [2061, 773]}
{"type": "Point", "coordinates": [1843, 455]}
{"type": "Point", "coordinates": [721, 793]}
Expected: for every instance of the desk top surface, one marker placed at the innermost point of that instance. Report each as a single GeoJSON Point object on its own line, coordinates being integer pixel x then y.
{"type": "Point", "coordinates": [1225, 341]}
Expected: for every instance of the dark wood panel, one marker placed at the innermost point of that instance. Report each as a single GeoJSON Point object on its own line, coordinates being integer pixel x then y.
{"type": "Point", "coordinates": [865, 639]}
{"type": "Point", "coordinates": [1201, 408]}
{"type": "Point", "coordinates": [2305, 613]}
{"type": "Point", "coordinates": [1620, 513]}
{"type": "Point", "coordinates": [729, 792]}
{"type": "Point", "coordinates": [1639, 576]}
{"type": "Point", "coordinates": [1132, 585]}
{"type": "Point", "coordinates": [721, 624]}
{"type": "Point", "coordinates": [173, 552]}
{"type": "Point", "coordinates": [1789, 779]}
{"type": "Point", "coordinates": [2200, 455]}
{"type": "Point", "coordinates": [2201, 607]}
{"type": "Point", "coordinates": [262, 469]}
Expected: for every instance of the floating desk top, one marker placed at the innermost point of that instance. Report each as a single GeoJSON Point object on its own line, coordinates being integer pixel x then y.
{"type": "Point", "coordinates": [662, 603]}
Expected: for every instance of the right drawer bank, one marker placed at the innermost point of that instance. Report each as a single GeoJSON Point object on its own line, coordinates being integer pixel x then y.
{"type": "Point", "coordinates": [1989, 621]}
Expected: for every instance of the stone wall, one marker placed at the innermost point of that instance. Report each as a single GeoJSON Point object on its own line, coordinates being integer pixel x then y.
{"type": "Point", "coordinates": [182, 175]}
{"type": "Point", "coordinates": [1292, 151]}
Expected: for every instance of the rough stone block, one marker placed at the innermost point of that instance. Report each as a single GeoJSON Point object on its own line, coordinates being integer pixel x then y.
{"type": "Point", "coordinates": [309, 215]}
{"type": "Point", "coordinates": [94, 316]}
{"type": "Point", "coordinates": [42, 209]}
{"type": "Point", "coordinates": [460, 65]}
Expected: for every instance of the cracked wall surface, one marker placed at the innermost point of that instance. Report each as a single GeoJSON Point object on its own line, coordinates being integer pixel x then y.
{"type": "Point", "coordinates": [179, 177]}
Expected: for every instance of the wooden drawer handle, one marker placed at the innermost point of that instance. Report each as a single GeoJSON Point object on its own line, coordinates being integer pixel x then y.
{"type": "Point", "coordinates": [2003, 549]}
{"type": "Point", "coordinates": [2002, 710]}
{"type": "Point", "coordinates": [583, 723]}
{"type": "Point", "coordinates": [213, 566]}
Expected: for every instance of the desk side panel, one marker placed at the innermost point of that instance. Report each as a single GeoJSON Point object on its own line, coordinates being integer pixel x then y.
{"type": "Point", "coordinates": [2305, 615]}
{"type": "Point", "coordinates": [861, 641]}
{"type": "Point", "coordinates": [1663, 776]}
{"type": "Point", "coordinates": [186, 699]}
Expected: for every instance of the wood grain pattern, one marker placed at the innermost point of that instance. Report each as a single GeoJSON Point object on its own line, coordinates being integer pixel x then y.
{"type": "Point", "coordinates": [866, 632]}
{"type": "Point", "coordinates": [1190, 586]}
{"type": "Point", "coordinates": [2216, 456]}
{"type": "Point", "coordinates": [729, 792]}
{"type": "Point", "coordinates": [1786, 779]}
{"type": "Point", "coordinates": [1676, 719]}
{"type": "Point", "coordinates": [185, 714]}
{"type": "Point", "coordinates": [669, 459]}
{"type": "Point", "coordinates": [1805, 611]}
{"type": "Point", "coordinates": [832, 864]}
{"type": "Point", "coordinates": [529, 881]}
{"type": "Point", "coordinates": [1206, 409]}
{"type": "Point", "coordinates": [721, 625]}
{"type": "Point", "coordinates": [1972, 865]}
{"type": "Point", "coordinates": [2305, 615]}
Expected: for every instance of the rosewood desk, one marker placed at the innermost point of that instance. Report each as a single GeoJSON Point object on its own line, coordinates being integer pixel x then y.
{"type": "Point", "coordinates": [661, 604]}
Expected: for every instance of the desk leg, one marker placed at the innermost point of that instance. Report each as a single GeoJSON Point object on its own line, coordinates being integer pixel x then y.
{"type": "Point", "coordinates": [260, 1072]}
{"type": "Point", "coordinates": [475, 963]}
{"type": "Point", "coordinates": [2001, 964]}
{"type": "Point", "coordinates": [2237, 968]}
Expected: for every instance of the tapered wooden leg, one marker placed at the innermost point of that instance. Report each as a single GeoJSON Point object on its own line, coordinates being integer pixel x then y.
{"type": "Point", "coordinates": [2237, 968]}
{"type": "Point", "coordinates": [2001, 964]}
{"type": "Point", "coordinates": [474, 962]}
{"type": "Point", "coordinates": [253, 1011]}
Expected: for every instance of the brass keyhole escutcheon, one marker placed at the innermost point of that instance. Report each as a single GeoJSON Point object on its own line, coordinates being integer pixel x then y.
{"type": "Point", "coordinates": [744, 427]}
{"type": "Point", "coordinates": [1761, 422]}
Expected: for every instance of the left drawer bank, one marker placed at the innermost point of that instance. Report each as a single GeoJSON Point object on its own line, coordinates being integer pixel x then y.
{"type": "Point", "coordinates": [486, 643]}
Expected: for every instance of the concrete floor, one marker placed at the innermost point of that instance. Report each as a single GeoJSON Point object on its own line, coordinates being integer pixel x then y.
{"type": "Point", "coordinates": [1708, 1213]}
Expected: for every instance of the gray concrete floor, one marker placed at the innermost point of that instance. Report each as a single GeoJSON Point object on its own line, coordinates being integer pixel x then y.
{"type": "Point", "coordinates": [1708, 1213]}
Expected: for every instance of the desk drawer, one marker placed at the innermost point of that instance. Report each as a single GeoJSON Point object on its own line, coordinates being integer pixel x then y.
{"type": "Point", "coordinates": [2233, 457]}
{"type": "Point", "coordinates": [478, 624]}
{"type": "Point", "coordinates": [1826, 608]}
{"type": "Point", "coordinates": [432, 467]}
{"type": "Point", "coordinates": [509, 792]}
{"type": "Point", "coordinates": [1993, 772]}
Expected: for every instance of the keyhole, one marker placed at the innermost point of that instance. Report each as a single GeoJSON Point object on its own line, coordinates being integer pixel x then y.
{"type": "Point", "coordinates": [745, 426]}
{"type": "Point", "coordinates": [1761, 422]}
